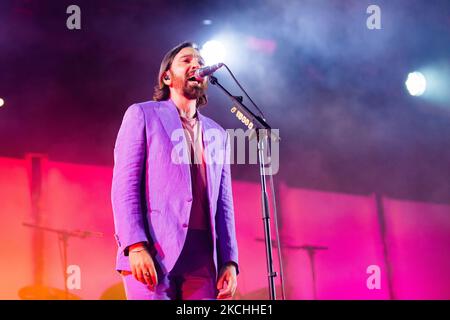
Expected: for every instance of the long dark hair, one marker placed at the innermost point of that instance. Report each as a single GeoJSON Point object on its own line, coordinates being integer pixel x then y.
{"type": "Point", "coordinates": [161, 91]}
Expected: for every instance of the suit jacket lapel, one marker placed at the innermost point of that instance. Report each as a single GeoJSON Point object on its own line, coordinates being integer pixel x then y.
{"type": "Point", "coordinates": [210, 166]}
{"type": "Point", "coordinates": [170, 119]}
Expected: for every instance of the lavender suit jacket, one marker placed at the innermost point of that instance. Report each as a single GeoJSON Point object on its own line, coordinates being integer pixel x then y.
{"type": "Point", "coordinates": [152, 194]}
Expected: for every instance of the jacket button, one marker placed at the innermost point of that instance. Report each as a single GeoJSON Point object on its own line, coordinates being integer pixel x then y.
{"type": "Point", "coordinates": [185, 225]}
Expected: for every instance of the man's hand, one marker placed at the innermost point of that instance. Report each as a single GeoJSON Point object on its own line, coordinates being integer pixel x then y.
{"type": "Point", "coordinates": [142, 266]}
{"type": "Point", "coordinates": [227, 282]}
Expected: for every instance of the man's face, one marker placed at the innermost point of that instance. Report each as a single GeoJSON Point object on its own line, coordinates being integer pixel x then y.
{"type": "Point", "coordinates": [182, 69]}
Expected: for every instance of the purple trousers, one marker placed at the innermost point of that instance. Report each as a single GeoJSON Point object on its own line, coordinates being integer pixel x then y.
{"type": "Point", "coordinates": [192, 278]}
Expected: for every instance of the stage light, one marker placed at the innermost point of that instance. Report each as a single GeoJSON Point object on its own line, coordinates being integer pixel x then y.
{"type": "Point", "coordinates": [207, 22]}
{"type": "Point", "coordinates": [416, 83]}
{"type": "Point", "coordinates": [2, 102]}
{"type": "Point", "coordinates": [213, 52]}
{"type": "Point", "coordinates": [437, 75]}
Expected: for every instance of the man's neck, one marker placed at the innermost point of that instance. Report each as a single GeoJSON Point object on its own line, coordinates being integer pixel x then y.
{"type": "Point", "coordinates": [186, 106]}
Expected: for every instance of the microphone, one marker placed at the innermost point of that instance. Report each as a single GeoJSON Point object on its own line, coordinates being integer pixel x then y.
{"type": "Point", "coordinates": [201, 73]}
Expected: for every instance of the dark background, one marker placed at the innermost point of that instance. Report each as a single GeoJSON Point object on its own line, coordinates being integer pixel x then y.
{"type": "Point", "coordinates": [334, 88]}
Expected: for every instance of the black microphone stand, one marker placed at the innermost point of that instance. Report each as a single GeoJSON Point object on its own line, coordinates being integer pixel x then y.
{"type": "Point", "coordinates": [311, 254]}
{"type": "Point", "coordinates": [262, 128]}
{"type": "Point", "coordinates": [63, 237]}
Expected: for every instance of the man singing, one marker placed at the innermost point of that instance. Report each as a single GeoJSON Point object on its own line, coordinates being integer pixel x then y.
{"type": "Point", "coordinates": [174, 219]}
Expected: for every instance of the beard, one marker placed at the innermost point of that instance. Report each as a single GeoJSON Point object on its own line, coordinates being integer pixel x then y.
{"type": "Point", "coordinates": [190, 89]}
{"type": "Point", "coordinates": [193, 90]}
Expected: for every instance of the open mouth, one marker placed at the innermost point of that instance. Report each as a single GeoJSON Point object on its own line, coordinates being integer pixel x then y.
{"type": "Point", "coordinates": [193, 79]}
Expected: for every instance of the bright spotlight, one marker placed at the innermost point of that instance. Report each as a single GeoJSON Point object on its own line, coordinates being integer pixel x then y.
{"type": "Point", "coordinates": [213, 52]}
{"type": "Point", "coordinates": [416, 83]}
{"type": "Point", "coordinates": [2, 102]}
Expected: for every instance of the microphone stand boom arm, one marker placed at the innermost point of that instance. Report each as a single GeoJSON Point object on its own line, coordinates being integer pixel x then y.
{"type": "Point", "coordinates": [261, 136]}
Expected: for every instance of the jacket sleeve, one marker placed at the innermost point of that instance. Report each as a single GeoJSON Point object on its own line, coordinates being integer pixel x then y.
{"type": "Point", "coordinates": [126, 191]}
{"type": "Point", "coordinates": [225, 225]}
